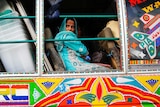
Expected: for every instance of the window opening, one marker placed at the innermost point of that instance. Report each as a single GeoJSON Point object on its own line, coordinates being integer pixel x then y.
{"type": "Point", "coordinates": [143, 35]}
{"type": "Point", "coordinates": [17, 44]}
{"type": "Point", "coordinates": [93, 22]}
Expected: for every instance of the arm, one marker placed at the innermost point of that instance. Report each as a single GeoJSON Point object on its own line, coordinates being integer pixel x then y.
{"type": "Point", "coordinates": [77, 46]}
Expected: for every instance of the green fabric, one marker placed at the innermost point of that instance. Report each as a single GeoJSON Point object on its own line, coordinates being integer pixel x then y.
{"type": "Point", "coordinates": [5, 12]}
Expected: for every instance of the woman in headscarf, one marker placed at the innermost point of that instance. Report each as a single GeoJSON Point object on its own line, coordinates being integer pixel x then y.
{"type": "Point", "coordinates": [72, 52]}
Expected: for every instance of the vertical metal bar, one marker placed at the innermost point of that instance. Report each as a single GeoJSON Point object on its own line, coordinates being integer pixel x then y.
{"type": "Point", "coordinates": [120, 9]}
{"type": "Point", "coordinates": [124, 35]}
{"type": "Point", "coordinates": [39, 45]}
{"type": "Point", "coordinates": [42, 59]}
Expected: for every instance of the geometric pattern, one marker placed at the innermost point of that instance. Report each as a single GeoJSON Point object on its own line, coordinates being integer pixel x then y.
{"type": "Point", "coordinates": [150, 82]}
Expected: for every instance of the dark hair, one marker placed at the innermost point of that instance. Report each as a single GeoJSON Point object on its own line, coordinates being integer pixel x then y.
{"type": "Point", "coordinates": [70, 19]}
{"type": "Point", "coordinates": [73, 19]}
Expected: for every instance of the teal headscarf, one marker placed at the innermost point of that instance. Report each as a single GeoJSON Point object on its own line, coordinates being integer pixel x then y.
{"type": "Point", "coordinates": [62, 31]}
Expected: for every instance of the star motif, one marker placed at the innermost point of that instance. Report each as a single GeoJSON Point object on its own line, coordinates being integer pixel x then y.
{"type": "Point", "coordinates": [136, 24]}
{"type": "Point", "coordinates": [134, 45]}
{"type": "Point", "coordinates": [141, 54]}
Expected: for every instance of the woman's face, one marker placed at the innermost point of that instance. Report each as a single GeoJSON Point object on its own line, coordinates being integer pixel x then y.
{"type": "Point", "coordinates": [70, 25]}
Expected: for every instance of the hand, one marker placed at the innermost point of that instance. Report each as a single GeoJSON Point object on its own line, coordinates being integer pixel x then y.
{"type": "Point", "coordinates": [87, 58]}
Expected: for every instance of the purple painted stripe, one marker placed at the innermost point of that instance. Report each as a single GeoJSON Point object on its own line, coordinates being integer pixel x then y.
{"type": "Point", "coordinates": [14, 103]}
{"type": "Point", "coordinates": [154, 28]}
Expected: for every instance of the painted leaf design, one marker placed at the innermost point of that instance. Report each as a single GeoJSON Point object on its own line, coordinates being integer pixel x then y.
{"type": "Point", "coordinates": [109, 98]}
{"type": "Point", "coordinates": [89, 97]}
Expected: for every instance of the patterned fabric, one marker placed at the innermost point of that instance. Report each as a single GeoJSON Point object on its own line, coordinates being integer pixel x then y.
{"type": "Point", "coordinates": [71, 52]}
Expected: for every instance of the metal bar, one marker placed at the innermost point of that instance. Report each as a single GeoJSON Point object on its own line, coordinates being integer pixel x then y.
{"type": "Point", "coordinates": [80, 39]}
{"type": "Point", "coordinates": [17, 17]}
{"type": "Point", "coordinates": [17, 41]}
{"type": "Point", "coordinates": [89, 16]}
{"type": "Point", "coordinates": [51, 40]}
{"type": "Point", "coordinates": [62, 16]}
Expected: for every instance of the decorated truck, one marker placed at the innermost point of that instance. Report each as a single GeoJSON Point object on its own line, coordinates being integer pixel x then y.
{"type": "Point", "coordinates": [122, 36]}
